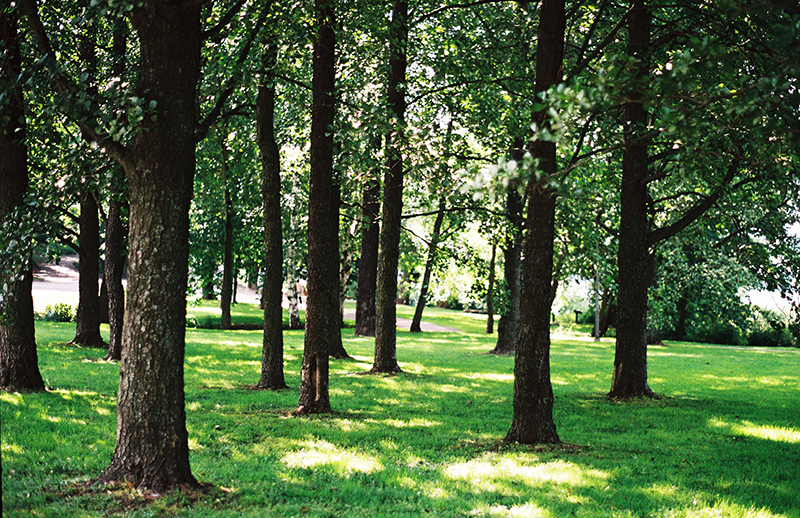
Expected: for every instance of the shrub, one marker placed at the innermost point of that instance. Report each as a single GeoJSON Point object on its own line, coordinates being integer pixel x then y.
{"type": "Point", "coordinates": [61, 312]}
{"type": "Point", "coordinates": [721, 333]}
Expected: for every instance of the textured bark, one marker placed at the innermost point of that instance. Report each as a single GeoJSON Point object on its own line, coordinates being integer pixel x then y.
{"type": "Point", "coordinates": [323, 224]}
{"type": "Point", "coordinates": [512, 257]}
{"type": "Point", "coordinates": [368, 261]}
{"type": "Point", "coordinates": [532, 420]}
{"type": "Point", "coordinates": [634, 258]}
{"type": "Point", "coordinates": [426, 276]}
{"type": "Point", "coordinates": [152, 449]}
{"type": "Point", "coordinates": [389, 253]}
{"type": "Point", "coordinates": [272, 376]}
{"type": "Point", "coordinates": [336, 302]}
{"type": "Point", "coordinates": [116, 229]}
{"type": "Point", "coordinates": [490, 292]}
{"type": "Point", "coordinates": [87, 317]}
{"type": "Point", "coordinates": [19, 367]}
{"type": "Point", "coordinates": [113, 270]}
{"type": "Point", "coordinates": [226, 290]}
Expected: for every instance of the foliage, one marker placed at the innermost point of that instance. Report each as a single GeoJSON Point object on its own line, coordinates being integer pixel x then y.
{"type": "Point", "coordinates": [425, 440]}
{"type": "Point", "coordinates": [59, 312]}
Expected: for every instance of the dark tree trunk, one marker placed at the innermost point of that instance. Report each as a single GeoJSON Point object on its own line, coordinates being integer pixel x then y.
{"type": "Point", "coordinates": [634, 258]}
{"type": "Point", "coordinates": [114, 267]}
{"type": "Point", "coordinates": [103, 300]}
{"type": "Point", "coordinates": [87, 317]}
{"type": "Point", "coordinates": [608, 312]}
{"type": "Point", "coordinates": [323, 224]}
{"type": "Point", "coordinates": [490, 292]}
{"type": "Point", "coordinates": [272, 376]}
{"type": "Point", "coordinates": [426, 276]}
{"type": "Point", "coordinates": [389, 252]}
{"type": "Point", "coordinates": [683, 314]}
{"type": "Point", "coordinates": [116, 230]}
{"type": "Point", "coordinates": [152, 449]}
{"type": "Point", "coordinates": [368, 261]}
{"type": "Point", "coordinates": [532, 421]}
{"type": "Point", "coordinates": [512, 257]}
{"type": "Point", "coordinates": [19, 366]}
{"type": "Point", "coordinates": [337, 349]}
{"type": "Point", "coordinates": [226, 291]}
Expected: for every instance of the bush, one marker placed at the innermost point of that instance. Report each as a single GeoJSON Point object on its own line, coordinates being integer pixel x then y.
{"type": "Point", "coordinates": [720, 333]}
{"type": "Point", "coordinates": [61, 312]}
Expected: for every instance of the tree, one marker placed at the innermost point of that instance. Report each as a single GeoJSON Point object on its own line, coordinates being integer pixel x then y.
{"type": "Point", "coordinates": [323, 223]}
{"type": "Point", "coordinates": [532, 421]}
{"type": "Point", "coordinates": [87, 317]}
{"type": "Point", "coordinates": [368, 259]}
{"type": "Point", "coordinates": [19, 367]}
{"type": "Point", "coordinates": [272, 349]}
{"type": "Point", "coordinates": [385, 360]}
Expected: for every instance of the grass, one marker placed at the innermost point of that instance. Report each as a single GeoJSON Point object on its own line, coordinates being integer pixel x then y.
{"type": "Point", "coordinates": [723, 440]}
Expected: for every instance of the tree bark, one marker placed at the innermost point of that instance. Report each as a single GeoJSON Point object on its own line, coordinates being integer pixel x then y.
{"type": "Point", "coordinates": [512, 258]}
{"type": "Point", "coordinates": [272, 376]}
{"type": "Point", "coordinates": [226, 290]}
{"type": "Point", "coordinates": [634, 257]}
{"type": "Point", "coordinates": [532, 420]}
{"type": "Point", "coordinates": [152, 449]}
{"type": "Point", "coordinates": [323, 223]}
{"type": "Point", "coordinates": [113, 269]}
{"type": "Point", "coordinates": [389, 252]}
{"type": "Point", "coordinates": [368, 261]}
{"type": "Point", "coordinates": [426, 276]}
{"type": "Point", "coordinates": [490, 292]}
{"type": "Point", "coordinates": [87, 317]}
{"type": "Point", "coordinates": [337, 349]}
{"type": "Point", "coordinates": [19, 365]}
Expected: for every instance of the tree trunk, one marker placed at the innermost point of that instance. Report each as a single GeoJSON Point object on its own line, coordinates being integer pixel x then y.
{"type": "Point", "coordinates": [634, 258]}
{"type": "Point", "coordinates": [368, 261]}
{"type": "Point", "coordinates": [116, 230]}
{"type": "Point", "coordinates": [608, 312]}
{"type": "Point", "coordinates": [512, 257]}
{"type": "Point", "coordinates": [152, 449]}
{"type": "Point", "coordinates": [683, 314]}
{"type": "Point", "coordinates": [114, 267]}
{"type": "Point", "coordinates": [389, 252]}
{"type": "Point", "coordinates": [226, 291]}
{"type": "Point", "coordinates": [426, 276]}
{"type": "Point", "coordinates": [323, 223]}
{"type": "Point", "coordinates": [19, 364]}
{"type": "Point", "coordinates": [490, 292]}
{"type": "Point", "coordinates": [272, 376]}
{"type": "Point", "coordinates": [532, 421]}
{"type": "Point", "coordinates": [87, 317]}
{"type": "Point", "coordinates": [337, 349]}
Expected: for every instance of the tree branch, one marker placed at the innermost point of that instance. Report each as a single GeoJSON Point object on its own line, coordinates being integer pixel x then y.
{"type": "Point", "coordinates": [466, 5]}
{"type": "Point", "coordinates": [211, 34]}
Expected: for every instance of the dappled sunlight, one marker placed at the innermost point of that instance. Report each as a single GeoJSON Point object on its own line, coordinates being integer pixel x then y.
{"type": "Point", "coordinates": [767, 432]}
{"type": "Point", "coordinates": [320, 453]}
{"type": "Point", "coordinates": [11, 398]}
{"type": "Point", "coordinates": [488, 376]}
{"type": "Point", "coordinates": [722, 509]}
{"type": "Point", "coordinates": [411, 423]}
{"type": "Point", "coordinates": [494, 472]}
{"type": "Point", "coordinates": [528, 510]}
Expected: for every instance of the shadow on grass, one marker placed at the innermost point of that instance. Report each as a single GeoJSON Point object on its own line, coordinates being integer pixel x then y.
{"type": "Point", "coordinates": [426, 441]}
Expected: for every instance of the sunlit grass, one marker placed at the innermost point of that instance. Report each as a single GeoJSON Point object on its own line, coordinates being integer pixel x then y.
{"type": "Point", "coordinates": [723, 440]}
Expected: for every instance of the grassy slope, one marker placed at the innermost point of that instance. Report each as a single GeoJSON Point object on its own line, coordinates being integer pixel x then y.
{"type": "Point", "coordinates": [724, 441]}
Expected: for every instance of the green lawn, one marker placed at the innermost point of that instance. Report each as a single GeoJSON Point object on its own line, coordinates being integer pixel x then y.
{"type": "Point", "coordinates": [723, 440]}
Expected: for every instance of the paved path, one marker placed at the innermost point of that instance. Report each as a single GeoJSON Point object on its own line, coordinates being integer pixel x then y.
{"type": "Point", "coordinates": [58, 283]}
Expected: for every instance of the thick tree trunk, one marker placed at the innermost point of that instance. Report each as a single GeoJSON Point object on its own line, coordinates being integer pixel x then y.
{"type": "Point", "coordinates": [152, 449]}
{"type": "Point", "coordinates": [19, 367]}
{"type": "Point", "coordinates": [490, 292]}
{"type": "Point", "coordinates": [114, 267]}
{"type": "Point", "coordinates": [512, 258]}
{"type": "Point", "coordinates": [532, 421]}
{"type": "Point", "coordinates": [389, 253]}
{"type": "Point", "coordinates": [426, 276]}
{"type": "Point", "coordinates": [368, 261]}
{"type": "Point", "coordinates": [226, 290]}
{"type": "Point", "coordinates": [272, 376]}
{"type": "Point", "coordinates": [87, 317]}
{"type": "Point", "coordinates": [323, 224]}
{"type": "Point", "coordinates": [634, 258]}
